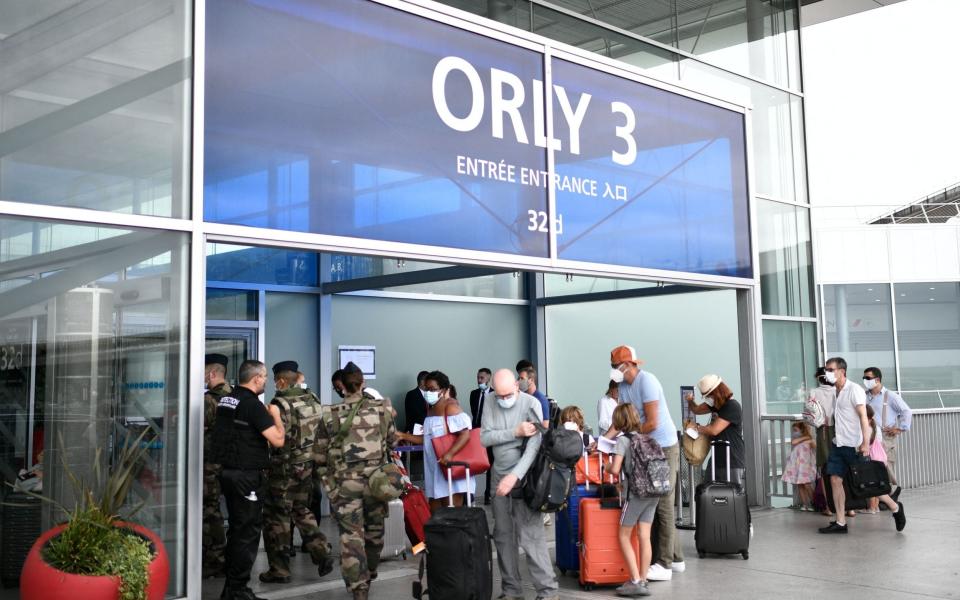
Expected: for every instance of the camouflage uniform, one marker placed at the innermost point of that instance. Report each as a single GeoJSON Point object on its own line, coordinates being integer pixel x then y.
{"type": "Point", "coordinates": [343, 469]}
{"type": "Point", "coordinates": [290, 483]}
{"type": "Point", "coordinates": [214, 538]}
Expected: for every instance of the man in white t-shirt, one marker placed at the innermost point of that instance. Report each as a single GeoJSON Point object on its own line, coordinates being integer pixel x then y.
{"type": "Point", "coordinates": [852, 429]}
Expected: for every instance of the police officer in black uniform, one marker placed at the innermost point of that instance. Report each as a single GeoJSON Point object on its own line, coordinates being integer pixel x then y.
{"type": "Point", "coordinates": [243, 428]}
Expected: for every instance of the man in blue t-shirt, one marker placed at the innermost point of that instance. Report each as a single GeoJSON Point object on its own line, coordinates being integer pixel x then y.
{"type": "Point", "coordinates": [643, 390]}
{"type": "Point", "coordinates": [527, 382]}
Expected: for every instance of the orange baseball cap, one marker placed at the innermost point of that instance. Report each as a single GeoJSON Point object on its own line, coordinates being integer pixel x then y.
{"type": "Point", "coordinates": [624, 354]}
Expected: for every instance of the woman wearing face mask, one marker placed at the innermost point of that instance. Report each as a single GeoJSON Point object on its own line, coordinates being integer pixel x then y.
{"type": "Point", "coordinates": [727, 424]}
{"type": "Point", "coordinates": [443, 416]}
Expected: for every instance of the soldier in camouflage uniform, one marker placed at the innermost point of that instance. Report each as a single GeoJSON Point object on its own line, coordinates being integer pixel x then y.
{"type": "Point", "coordinates": [290, 480]}
{"type": "Point", "coordinates": [348, 451]}
{"type": "Point", "coordinates": [214, 539]}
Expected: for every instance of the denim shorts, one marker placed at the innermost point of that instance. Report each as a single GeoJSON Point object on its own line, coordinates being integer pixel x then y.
{"type": "Point", "coordinates": [840, 459]}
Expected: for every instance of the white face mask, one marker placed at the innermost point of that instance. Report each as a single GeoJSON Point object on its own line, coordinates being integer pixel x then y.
{"type": "Point", "coordinates": [571, 426]}
{"type": "Point", "coordinates": [431, 397]}
{"type": "Point", "coordinates": [507, 402]}
{"type": "Point", "coordinates": [869, 383]}
{"type": "Point", "coordinates": [483, 386]}
{"type": "Point", "coordinates": [708, 401]}
{"type": "Point", "coordinates": [302, 386]}
{"type": "Point", "coordinates": [830, 377]}
{"type": "Point", "coordinates": [616, 375]}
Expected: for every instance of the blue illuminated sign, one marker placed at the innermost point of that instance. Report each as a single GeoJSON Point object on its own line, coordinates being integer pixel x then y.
{"type": "Point", "coordinates": [351, 118]}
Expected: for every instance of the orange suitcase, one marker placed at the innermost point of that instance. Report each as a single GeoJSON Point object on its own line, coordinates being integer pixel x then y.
{"type": "Point", "coordinates": [589, 471]}
{"type": "Point", "coordinates": [601, 562]}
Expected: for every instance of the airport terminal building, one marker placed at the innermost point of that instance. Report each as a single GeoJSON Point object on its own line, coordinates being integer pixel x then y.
{"type": "Point", "coordinates": [427, 185]}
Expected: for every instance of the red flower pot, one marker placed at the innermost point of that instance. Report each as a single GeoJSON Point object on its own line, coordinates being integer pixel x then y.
{"type": "Point", "coordinates": [40, 581]}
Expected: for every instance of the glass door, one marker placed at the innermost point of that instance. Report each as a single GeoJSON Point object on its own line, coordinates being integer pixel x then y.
{"type": "Point", "coordinates": [236, 343]}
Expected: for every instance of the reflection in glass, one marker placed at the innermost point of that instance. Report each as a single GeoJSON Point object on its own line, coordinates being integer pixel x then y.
{"type": "Point", "coordinates": [564, 285]}
{"type": "Point", "coordinates": [790, 360]}
{"type": "Point", "coordinates": [859, 328]}
{"type": "Point", "coordinates": [317, 145]}
{"type": "Point", "coordinates": [94, 99]}
{"type": "Point", "coordinates": [93, 353]}
{"type": "Point", "coordinates": [786, 259]}
{"type": "Point", "coordinates": [246, 264]}
{"type": "Point", "coordinates": [928, 334]}
{"type": "Point", "coordinates": [657, 180]}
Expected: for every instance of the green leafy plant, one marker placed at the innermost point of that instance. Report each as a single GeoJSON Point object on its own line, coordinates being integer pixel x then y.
{"type": "Point", "coordinates": [93, 543]}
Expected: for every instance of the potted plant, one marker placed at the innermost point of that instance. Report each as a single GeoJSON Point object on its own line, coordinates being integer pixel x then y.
{"type": "Point", "coordinates": [96, 554]}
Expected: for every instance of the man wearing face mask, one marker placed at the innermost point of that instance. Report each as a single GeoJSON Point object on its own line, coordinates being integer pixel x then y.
{"type": "Point", "coordinates": [643, 390]}
{"type": "Point", "coordinates": [892, 414]}
{"type": "Point", "coordinates": [214, 540]}
{"type": "Point", "coordinates": [336, 380]}
{"type": "Point", "coordinates": [527, 383]}
{"type": "Point", "coordinates": [506, 423]}
{"type": "Point", "coordinates": [477, 400]}
{"type": "Point", "coordinates": [852, 440]}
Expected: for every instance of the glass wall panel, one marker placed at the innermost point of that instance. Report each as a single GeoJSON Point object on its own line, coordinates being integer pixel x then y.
{"type": "Point", "coordinates": [790, 360]}
{"type": "Point", "coordinates": [94, 349]}
{"type": "Point", "coordinates": [246, 264]}
{"type": "Point", "coordinates": [231, 305]}
{"type": "Point", "coordinates": [564, 285]}
{"type": "Point", "coordinates": [786, 260]}
{"type": "Point", "coordinates": [504, 285]}
{"type": "Point", "coordinates": [754, 37]}
{"type": "Point", "coordinates": [928, 333]}
{"type": "Point", "coordinates": [859, 327]}
{"type": "Point", "coordinates": [779, 166]}
{"type": "Point", "coordinates": [94, 104]}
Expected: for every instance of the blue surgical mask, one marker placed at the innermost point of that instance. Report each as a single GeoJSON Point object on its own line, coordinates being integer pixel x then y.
{"type": "Point", "coordinates": [507, 402]}
{"type": "Point", "coordinates": [431, 397]}
{"type": "Point", "coordinates": [524, 385]}
{"type": "Point", "coordinates": [484, 386]}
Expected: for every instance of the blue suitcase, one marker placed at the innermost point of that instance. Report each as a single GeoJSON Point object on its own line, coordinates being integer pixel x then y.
{"type": "Point", "coordinates": [568, 528]}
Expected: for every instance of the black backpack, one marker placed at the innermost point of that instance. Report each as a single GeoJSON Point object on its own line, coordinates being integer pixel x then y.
{"type": "Point", "coordinates": [550, 480]}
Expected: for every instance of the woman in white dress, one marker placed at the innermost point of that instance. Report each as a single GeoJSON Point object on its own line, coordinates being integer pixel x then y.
{"type": "Point", "coordinates": [443, 416]}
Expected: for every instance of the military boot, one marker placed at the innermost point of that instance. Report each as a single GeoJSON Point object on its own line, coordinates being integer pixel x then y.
{"type": "Point", "coordinates": [361, 594]}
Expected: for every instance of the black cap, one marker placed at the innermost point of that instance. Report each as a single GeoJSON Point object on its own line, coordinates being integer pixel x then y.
{"type": "Point", "coordinates": [286, 365]}
{"type": "Point", "coordinates": [215, 359]}
{"type": "Point", "coordinates": [350, 367]}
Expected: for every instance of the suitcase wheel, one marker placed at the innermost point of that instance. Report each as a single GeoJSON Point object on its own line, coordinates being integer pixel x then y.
{"type": "Point", "coordinates": [701, 554]}
{"type": "Point", "coordinates": [588, 587]}
{"type": "Point", "coordinates": [745, 554]}
{"type": "Point", "coordinates": [563, 571]}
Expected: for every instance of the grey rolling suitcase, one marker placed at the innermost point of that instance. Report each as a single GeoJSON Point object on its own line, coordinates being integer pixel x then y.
{"type": "Point", "coordinates": [394, 532]}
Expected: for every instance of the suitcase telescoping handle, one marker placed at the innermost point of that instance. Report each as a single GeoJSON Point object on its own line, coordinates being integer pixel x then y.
{"type": "Point", "coordinates": [713, 460]}
{"type": "Point", "coordinates": [450, 466]}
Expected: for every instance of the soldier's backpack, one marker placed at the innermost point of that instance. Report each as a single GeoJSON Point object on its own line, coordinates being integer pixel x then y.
{"type": "Point", "coordinates": [304, 415]}
{"type": "Point", "coordinates": [649, 476]}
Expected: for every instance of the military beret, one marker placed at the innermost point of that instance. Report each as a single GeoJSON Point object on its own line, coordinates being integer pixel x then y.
{"type": "Point", "coordinates": [286, 365]}
{"type": "Point", "coordinates": [215, 359]}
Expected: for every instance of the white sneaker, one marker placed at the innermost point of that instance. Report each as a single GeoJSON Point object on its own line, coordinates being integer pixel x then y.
{"type": "Point", "coordinates": [658, 572]}
{"type": "Point", "coordinates": [678, 567]}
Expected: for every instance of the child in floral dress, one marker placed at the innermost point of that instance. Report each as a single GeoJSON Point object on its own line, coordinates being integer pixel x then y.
{"type": "Point", "coordinates": [801, 467]}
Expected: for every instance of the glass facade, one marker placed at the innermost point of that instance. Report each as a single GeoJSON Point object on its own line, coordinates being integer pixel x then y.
{"type": "Point", "coordinates": [93, 353]}
{"type": "Point", "coordinates": [790, 361]}
{"type": "Point", "coordinates": [920, 357]}
{"type": "Point", "coordinates": [95, 113]}
{"type": "Point", "coordinates": [859, 327]}
{"type": "Point", "coordinates": [786, 260]}
{"type": "Point", "coordinates": [94, 105]}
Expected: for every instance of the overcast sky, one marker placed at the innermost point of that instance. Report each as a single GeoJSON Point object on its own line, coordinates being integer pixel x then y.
{"type": "Point", "coordinates": [882, 107]}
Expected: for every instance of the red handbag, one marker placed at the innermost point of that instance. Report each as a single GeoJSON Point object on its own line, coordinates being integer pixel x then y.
{"type": "Point", "coordinates": [474, 453]}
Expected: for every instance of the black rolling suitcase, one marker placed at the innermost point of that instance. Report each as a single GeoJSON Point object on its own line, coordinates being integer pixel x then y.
{"type": "Point", "coordinates": [459, 558]}
{"type": "Point", "coordinates": [851, 502]}
{"type": "Point", "coordinates": [723, 515]}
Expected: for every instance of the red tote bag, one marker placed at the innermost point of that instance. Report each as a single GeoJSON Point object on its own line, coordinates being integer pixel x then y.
{"type": "Point", "coordinates": [474, 453]}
